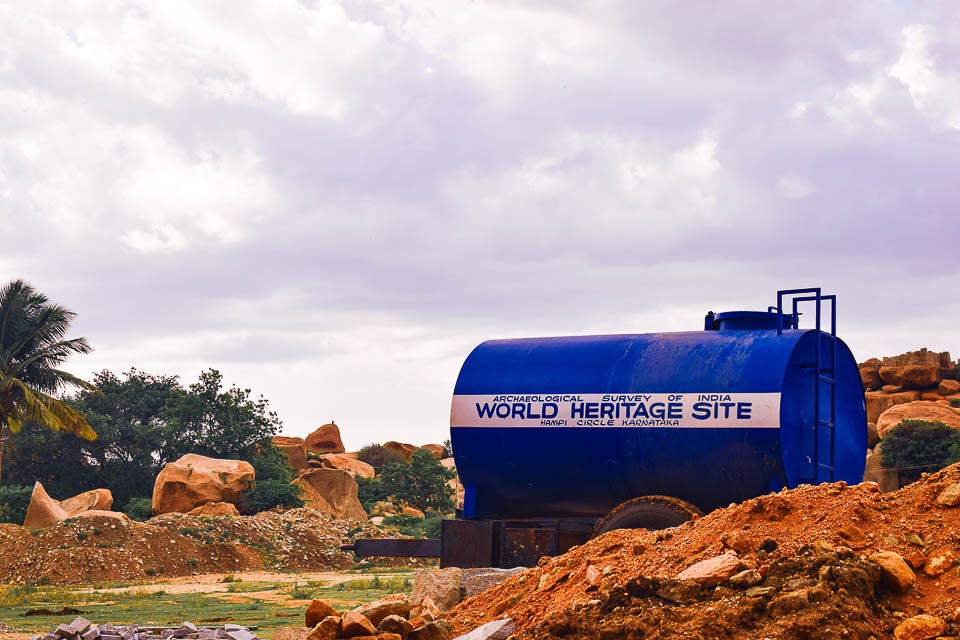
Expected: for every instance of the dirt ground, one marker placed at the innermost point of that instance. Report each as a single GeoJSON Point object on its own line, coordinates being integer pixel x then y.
{"type": "Point", "coordinates": [849, 520]}
{"type": "Point", "coordinates": [102, 550]}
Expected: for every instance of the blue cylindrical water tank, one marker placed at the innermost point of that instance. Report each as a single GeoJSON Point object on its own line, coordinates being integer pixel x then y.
{"type": "Point", "coordinates": [574, 426]}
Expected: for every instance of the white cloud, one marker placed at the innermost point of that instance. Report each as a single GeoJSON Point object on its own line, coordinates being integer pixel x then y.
{"type": "Point", "coordinates": [934, 91]}
{"type": "Point", "coordinates": [338, 200]}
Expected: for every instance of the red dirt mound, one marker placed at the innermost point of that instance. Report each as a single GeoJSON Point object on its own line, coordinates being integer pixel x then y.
{"type": "Point", "coordinates": [102, 549]}
{"type": "Point", "coordinates": [764, 530]}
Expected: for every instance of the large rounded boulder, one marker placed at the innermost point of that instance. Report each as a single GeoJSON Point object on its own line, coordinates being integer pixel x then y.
{"type": "Point", "coordinates": [93, 500]}
{"type": "Point", "coordinates": [332, 491]}
{"type": "Point", "coordinates": [346, 463]}
{"type": "Point", "coordinates": [922, 410]}
{"type": "Point", "coordinates": [326, 439]}
{"type": "Point", "coordinates": [195, 480]}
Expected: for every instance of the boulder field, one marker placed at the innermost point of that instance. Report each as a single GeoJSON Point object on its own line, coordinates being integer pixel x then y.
{"type": "Point", "coordinates": [909, 377]}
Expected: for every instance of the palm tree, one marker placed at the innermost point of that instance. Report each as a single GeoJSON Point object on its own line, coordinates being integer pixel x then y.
{"type": "Point", "coordinates": [32, 345]}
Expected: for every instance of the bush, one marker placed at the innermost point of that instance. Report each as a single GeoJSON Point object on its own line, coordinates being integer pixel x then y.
{"type": "Point", "coordinates": [14, 500]}
{"type": "Point", "coordinates": [273, 474]}
{"type": "Point", "coordinates": [379, 457]}
{"type": "Point", "coordinates": [921, 443]}
{"type": "Point", "coordinates": [268, 494]}
{"type": "Point", "coordinates": [415, 527]}
{"type": "Point", "coordinates": [139, 509]}
{"type": "Point", "coordinates": [370, 491]}
{"type": "Point", "coordinates": [955, 402]}
{"type": "Point", "coordinates": [421, 483]}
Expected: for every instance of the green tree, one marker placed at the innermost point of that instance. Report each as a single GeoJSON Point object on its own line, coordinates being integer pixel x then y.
{"type": "Point", "coordinates": [145, 421]}
{"type": "Point", "coordinates": [378, 457]}
{"type": "Point", "coordinates": [272, 487]}
{"type": "Point", "coordinates": [421, 483]}
{"type": "Point", "coordinates": [931, 445]}
{"type": "Point", "coordinates": [33, 345]}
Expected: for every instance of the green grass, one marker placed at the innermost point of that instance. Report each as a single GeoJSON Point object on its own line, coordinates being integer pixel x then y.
{"type": "Point", "coordinates": [164, 608]}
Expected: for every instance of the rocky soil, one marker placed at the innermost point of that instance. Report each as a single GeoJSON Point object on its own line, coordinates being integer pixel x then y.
{"type": "Point", "coordinates": [95, 549]}
{"type": "Point", "coordinates": [796, 564]}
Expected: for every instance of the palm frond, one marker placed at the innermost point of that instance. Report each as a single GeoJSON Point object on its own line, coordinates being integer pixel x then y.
{"type": "Point", "coordinates": [44, 409]}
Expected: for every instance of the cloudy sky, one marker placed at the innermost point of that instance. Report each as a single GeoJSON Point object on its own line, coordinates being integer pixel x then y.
{"type": "Point", "coordinates": [334, 202]}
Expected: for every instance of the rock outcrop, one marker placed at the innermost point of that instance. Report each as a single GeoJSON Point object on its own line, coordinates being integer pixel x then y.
{"type": "Point", "coordinates": [879, 401]}
{"type": "Point", "coordinates": [43, 510]}
{"type": "Point", "coordinates": [922, 410]}
{"type": "Point", "coordinates": [93, 500]}
{"type": "Point", "coordinates": [325, 439]}
{"type": "Point", "coordinates": [195, 480]}
{"type": "Point", "coordinates": [436, 449]}
{"type": "Point", "coordinates": [912, 376]}
{"type": "Point", "coordinates": [215, 509]}
{"type": "Point", "coordinates": [346, 463]}
{"type": "Point", "coordinates": [332, 491]}
{"type": "Point", "coordinates": [406, 450]}
{"type": "Point", "coordinates": [294, 449]}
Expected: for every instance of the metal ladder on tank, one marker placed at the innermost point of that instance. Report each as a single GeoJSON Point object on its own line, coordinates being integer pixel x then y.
{"type": "Point", "coordinates": [825, 377]}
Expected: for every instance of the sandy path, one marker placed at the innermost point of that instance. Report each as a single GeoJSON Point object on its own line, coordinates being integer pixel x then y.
{"type": "Point", "coordinates": [212, 582]}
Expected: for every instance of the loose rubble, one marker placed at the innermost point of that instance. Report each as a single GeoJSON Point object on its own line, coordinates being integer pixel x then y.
{"type": "Point", "coordinates": [813, 560]}
{"type": "Point", "coordinates": [83, 629]}
{"type": "Point", "coordinates": [101, 549]}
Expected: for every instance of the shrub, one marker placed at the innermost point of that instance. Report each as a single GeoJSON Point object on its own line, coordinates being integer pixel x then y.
{"type": "Point", "coordinates": [421, 483]}
{"type": "Point", "coordinates": [955, 402]}
{"type": "Point", "coordinates": [379, 457]}
{"type": "Point", "coordinates": [921, 443]}
{"type": "Point", "coordinates": [370, 491]}
{"type": "Point", "coordinates": [139, 509]}
{"type": "Point", "coordinates": [268, 494]}
{"type": "Point", "coordinates": [14, 500]}
{"type": "Point", "coordinates": [416, 527]}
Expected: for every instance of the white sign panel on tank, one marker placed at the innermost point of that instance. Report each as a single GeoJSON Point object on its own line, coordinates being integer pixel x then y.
{"type": "Point", "coordinates": [678, 410]}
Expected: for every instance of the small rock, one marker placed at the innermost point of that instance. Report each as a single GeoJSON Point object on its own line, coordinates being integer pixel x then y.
{"type": "Point", "coordinates": [854, 536]}
{"type": "Point", "coordinates": [316, 612]}
{"type": "Point", "coordinates": [939, 564]}
{"type": "Point", "coordinates": [894, 571]}
{"type": "Point", "coordinates": [746, 579]}
{"type": "Point", "coordinates": [496, 630]}
{"type": "Point", "coordinates": [395, 624]}
{"type": "Point", "coordinates": [592, 575]}
{"type": "Point", "coordinates": [922, 627]}
{"type": "Point", "coordinates": [754, 592]}
{"type": "Point", "coordinates": [426, 609]}
{"type": "Point", "coordinates": [738, 540]}
{"type": "Point", "coordinates": [353, 623]}
{"type": "Point", "coordinates": [430, 631]}
{"type": "Point", "coordinates": [377, 611]}
{"type": "Point", "coordinates": [712, 571]}
{"type": "Point", "coordinates": [950, 497]}
{"type": "Point", "coordinates": [327, 629]}
{"type": "Point", "coordinates": [789, 602]}
{"type": "Point", "coordinates": [680, 591]}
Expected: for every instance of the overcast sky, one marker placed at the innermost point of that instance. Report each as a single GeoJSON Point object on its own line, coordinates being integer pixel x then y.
{"type": "Point", "coordinates": [334, 202]}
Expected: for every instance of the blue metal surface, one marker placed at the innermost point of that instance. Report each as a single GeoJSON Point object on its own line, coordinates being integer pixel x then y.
{"type": "Point", "coordinates": [524, 471]}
